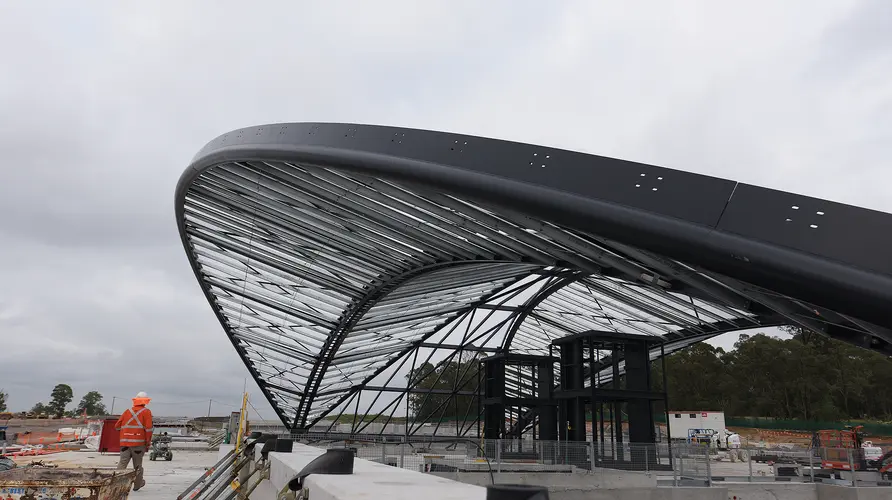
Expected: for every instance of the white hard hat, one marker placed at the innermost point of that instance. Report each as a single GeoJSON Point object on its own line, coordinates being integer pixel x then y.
{"type": "Point", "coordinates": [141, 395]}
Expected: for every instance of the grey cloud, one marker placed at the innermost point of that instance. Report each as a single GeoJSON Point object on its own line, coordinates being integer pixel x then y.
{"type": "Point", "coordinates": [106, 102]}
{"type": "Point", "coordinates": [860, 37]}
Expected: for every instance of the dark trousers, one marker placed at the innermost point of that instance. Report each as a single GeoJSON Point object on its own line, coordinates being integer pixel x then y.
{"type": "Point", "coordinates": [135, 453]}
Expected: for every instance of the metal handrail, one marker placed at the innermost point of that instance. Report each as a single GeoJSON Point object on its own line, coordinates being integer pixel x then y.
{"type": "Point", "coordinates": [213, 483]}
{"type": "Point", "coordinates": [209, 476]}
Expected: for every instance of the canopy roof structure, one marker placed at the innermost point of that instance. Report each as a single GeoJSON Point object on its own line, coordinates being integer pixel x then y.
{"type": "Point", "coordinates": [340, 259]}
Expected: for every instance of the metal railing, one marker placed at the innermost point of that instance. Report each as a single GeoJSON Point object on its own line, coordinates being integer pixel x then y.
{"type": "Point", "coordinates": [235, 475]}
{"type": "Point", "coordinates": [680, 464]}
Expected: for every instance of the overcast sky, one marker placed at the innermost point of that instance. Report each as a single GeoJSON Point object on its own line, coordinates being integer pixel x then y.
{"type": "Point", "coordinates": [103, 104]}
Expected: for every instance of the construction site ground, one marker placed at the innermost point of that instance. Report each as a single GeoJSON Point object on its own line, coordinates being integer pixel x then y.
{"type": "Point", "coordinates": [164, 480]}
{"type": "Point", "coordinates": [754, 437]}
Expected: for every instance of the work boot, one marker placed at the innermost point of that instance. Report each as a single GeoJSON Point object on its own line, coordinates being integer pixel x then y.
{"type": "Point", "coordinates": [137, 488]}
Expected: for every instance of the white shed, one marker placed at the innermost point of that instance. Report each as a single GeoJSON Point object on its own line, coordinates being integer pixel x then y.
{"type": "Point", "coordinates": [681, 421]}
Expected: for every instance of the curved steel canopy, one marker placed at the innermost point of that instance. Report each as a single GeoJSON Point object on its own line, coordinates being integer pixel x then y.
{"type": "Point", "coordinates": [339, 257]}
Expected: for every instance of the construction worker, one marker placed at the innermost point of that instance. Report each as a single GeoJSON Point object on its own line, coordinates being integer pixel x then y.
{"type": "Point", "coordinates": [135, 426]}
{"type": "Point", "coordinates": [734, 450]}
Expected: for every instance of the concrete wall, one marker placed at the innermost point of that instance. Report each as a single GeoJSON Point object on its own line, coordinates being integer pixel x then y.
{"type": "Point", "coordinates": [770, 491]}
{"type": "Point", "coordinates": [640, 494]}
{"type": "Point", "coordinates": [830, 492]}
{"type": "Point", "coordinates": [801, 491]}
{"type": "Point", "coordinates": [224, 449]}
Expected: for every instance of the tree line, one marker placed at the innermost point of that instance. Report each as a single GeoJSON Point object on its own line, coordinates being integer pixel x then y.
{"type": "Point", "coordinates": [806, 376]}
{"type": "Point", "coordinates": [60, 397]}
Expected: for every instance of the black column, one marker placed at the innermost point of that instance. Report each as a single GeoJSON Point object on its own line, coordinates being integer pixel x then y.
{"type": "Point", "coordinates": [548, 422]}
{"type": "Point", "coordinates": [572, 379]}
{"type": "Point", "coordinates": [494, 391]}
{"type": "Point", "coordinates": [640, 410]}
{"type": "Point", "coordinates": [617, 409]}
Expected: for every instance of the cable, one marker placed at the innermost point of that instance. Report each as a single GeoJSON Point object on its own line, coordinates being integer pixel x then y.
{"type": "Point", "coordinates": [255, 409]}
{"type": "Point", "coordinates": [225, 404]}
{"type": "Point", "coordinates": [179, 403]}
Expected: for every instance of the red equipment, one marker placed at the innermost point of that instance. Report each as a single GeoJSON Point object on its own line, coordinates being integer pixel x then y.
{"type": "Point", "coordinates": [109, 439]}
{"type": "Point", "coordinates": [836, 446]}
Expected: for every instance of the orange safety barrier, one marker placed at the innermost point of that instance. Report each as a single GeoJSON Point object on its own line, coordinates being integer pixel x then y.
{"type": "Point", "coordinates": [35, 452]}
{"type": "Point", "coordinates": [796, 434]}
{"type": "Point", "coordinates": [42, 437]}
{"type": "Point", "coordinates": [28, 437]}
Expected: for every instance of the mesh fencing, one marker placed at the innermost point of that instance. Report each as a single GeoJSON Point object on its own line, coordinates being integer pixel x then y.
{"type": "Point", "coordinates": [469, 455]}
{"type": "Point", "coordinates": [681, 464]}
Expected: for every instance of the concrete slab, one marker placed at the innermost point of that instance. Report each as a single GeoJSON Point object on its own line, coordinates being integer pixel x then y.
{"type": "Point", "coordinates": [164, 480]}
{"type": "Point", "coordinates": [369, 480]}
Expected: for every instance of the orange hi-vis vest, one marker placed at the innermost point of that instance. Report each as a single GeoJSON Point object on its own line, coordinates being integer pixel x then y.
{"type": "Point", "coordinates": [135, 426]}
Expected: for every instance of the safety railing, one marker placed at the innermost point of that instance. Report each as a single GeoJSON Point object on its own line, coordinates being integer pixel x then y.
{"type": "Point", "coordinates": [236, 475]}
{"type": "Point", "coordinates": [451, 455]}
{"type": "Point", "coordinates": [681, 464]}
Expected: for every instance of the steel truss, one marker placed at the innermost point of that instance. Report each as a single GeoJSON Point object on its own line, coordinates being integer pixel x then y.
{"type": "Point", "coordinates": [344, 287]}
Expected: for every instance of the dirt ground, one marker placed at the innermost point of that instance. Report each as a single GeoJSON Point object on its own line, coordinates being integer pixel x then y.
{"type": "Point", "coordinates": [770, 438]}
{"type": "Point", "coordinates": [66, 460]}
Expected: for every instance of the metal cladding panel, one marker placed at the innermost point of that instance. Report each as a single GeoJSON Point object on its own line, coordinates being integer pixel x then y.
{"type": "Point", "coordinates": [584, 192]}
{"type": "Point", "coordinates": [855, 236]}
{"type": "Point", "coordinates": [647, 187]}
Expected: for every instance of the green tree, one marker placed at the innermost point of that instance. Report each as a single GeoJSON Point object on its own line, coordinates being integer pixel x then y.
{"type": "Point", "coordinates": [4, 396]}
{"type": "Point", "coordinates": [808, 376]}
{"type": "Point", "coordinates": [59, 399]}
{"type": "Point", "coordinates": [696, 377]}
{"type": "Point", "coordinates": [444, 391]}
{"type": "Point", "coordinates": [91, 403]}
{"type": "Point", "coordinates": [39, 408]}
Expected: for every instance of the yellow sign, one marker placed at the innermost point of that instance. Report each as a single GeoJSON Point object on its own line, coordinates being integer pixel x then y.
{"type": "Point", "coordinates": [242, 418]}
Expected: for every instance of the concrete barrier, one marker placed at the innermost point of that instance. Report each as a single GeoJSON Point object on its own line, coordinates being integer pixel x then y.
{"type": "Point", "coordinates": [804, 491]}
{"type": "Point", "coordinates": [662, 493]}
{"type": "Point", "coordinates": [224, 449]}
{"type": "Point", "coordinates": [771, 491]}
{"type": "Point", "coordinates": [831, 492]}
{"type": "Point", "coordinates": [369, 480]}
